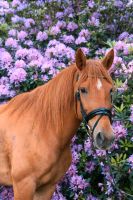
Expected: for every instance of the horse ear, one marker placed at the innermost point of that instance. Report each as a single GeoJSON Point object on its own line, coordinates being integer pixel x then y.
{"type": "Point", "coordinates": [80, 59]}
{"type": "Point", "coordinates": [108, 59]}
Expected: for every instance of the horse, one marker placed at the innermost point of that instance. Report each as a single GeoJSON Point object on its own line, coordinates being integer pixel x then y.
{"type": "Point", "coordinates": [36, 127]}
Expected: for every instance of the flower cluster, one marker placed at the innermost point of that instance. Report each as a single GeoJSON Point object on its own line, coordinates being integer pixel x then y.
{"type": "Point", "coordinates": [39, 38]}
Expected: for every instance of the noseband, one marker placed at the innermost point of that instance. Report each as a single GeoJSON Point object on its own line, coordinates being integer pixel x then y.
{"type": "Point", "coordinates": [87, 117]}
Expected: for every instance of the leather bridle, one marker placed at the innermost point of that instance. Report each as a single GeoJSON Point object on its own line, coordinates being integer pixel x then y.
{"type": "Point", "coordinates": [88, 116]}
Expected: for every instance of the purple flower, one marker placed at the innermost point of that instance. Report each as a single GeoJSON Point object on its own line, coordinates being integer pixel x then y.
{"type": "Point", "coordinates": [21, 53]}
{"type": "Point", "coordinates": [5, 59]}
{"type": "Point", "coordinates": [72, 26]}
{"type": "Point", "coordinates": [119, 129]}
{"type": "Point", "coordinates": [22, 35]}
{"type": "Point", "coordinates": [10, 42]}
{"type": "Point", "coordinates": [90, 166]}
{"type": "Point", "coordinates": [90, 197]}
{"type": "Point", "coordinates": [80, 40]}
{"type": "Point", "coordinates": [41, 36]}
{"type": "Point", "coordinates": [18, 75]}
{"type": "Point", "coordinates": [118, 3]}
{"type": "Point", "coordinates": [15, 19]}
{"type": "Point", "coordinates": [20, 64]}
{"type": "Point", "coordinates": [85, 33]}
{"type": "Point", "coordinates": [93, 21]}
{"type": "Point", "coordinates": [61, 24]}
{"type": "Point", "coordinates": [85, 50]}
{"type": "Point", "coordinates": [16, 3]}
{"type": "Point", "coordinates": [4, 90]}
{"type": "Point", "coordinates": [130, 160]}
{"type": "Point", "coordinates": [123, 35]}
{"type": "Point", "coordinates": [59, 15]}
{"type": "Point", "coordinates": [119, 45]}
{"type": "Point", "coordinates": [91, 3]}
{"type": "Point", "coordinates": [77, 182]}
{"type": "Point", "coordinates": [4, 4]}
{"type": "Point", "coordinates": [131, 116]}
{"type": "Point", "coordinates": [87, 146]}
{"type": "Point", "coordinates": [68, 39]}
{"type": "Point", "coordinates": [12, 32]}
{"type": "Point", "coordinates": [55, 30]}
{"type": "Point", "coordinates": [29, 22]}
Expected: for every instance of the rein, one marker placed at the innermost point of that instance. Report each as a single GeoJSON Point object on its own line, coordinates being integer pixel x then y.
{"type": "Point", "coordinates": [86, 117]}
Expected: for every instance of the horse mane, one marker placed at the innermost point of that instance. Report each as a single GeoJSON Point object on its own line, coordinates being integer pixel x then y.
{"type": "Point", "coordinates": [49, 102]}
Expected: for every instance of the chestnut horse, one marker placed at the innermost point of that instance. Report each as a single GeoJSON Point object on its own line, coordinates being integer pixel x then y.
{"type": "Point", "coordinates": [36, 127]}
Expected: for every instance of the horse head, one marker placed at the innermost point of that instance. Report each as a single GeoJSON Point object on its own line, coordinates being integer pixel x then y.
{"type": "Point", "coordinates": [93, 88]}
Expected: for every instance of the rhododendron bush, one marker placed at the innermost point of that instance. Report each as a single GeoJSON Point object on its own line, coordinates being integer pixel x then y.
{"type": "Point", "coordinates": [39, 38]}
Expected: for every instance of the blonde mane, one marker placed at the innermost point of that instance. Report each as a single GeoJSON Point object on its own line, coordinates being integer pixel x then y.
{"type": "Point", "coordinates": [49, 102]}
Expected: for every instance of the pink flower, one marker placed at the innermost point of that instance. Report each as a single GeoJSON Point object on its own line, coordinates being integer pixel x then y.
{"type": "Point", "coordinates": [22, 35]}
{"type": "Point", "coordinates": [5, 59]}
{"type": "Point", "coordinates": [16, 3]}
{"type": "Point", "coordinates": [4, 90]}
{"type": "Point", "coordinates": [68, 39]}
{"type": "Point", "coordinates": [21, 53]}
{"type": "Point", "coordinates": [20, 64]}
{"type": "Point", "coordinates": [10, 42]}
{"type": "Point", "coordinates": [80, 40]}
{"type": "Point", "coordinates": [41, 36]}
{"type": "Point", "coordinates": [72, 26]}
{"type": "Point", "coordinates": [18, 75]}
{"type": "Point", "coordinates": [55, 30]}
{"type": "Point", "coordinates": [12, 32]}
{"type": "Point", "coordinates": [29, 22]}
{"type": "Point", "coordinates": [84, 33]}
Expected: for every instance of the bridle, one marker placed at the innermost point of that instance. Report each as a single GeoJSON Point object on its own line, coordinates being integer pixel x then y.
{"type": "Point", "coordinates": [88, 116]}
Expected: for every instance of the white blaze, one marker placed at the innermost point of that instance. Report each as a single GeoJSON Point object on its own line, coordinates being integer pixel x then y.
{"type": "Point", "coordinates": [99, 84]}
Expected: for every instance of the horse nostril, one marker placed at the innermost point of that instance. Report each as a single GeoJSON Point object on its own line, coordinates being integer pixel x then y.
{"type": "Point", "coordinates": [100, 138]}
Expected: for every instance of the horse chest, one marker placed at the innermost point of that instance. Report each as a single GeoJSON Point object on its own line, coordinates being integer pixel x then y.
{"type": "Point", "coordinates": [58, 170]}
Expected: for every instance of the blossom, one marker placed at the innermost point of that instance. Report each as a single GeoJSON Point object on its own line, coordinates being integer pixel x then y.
{"type": "Point", "coordinates": [59, 15]}
{"type": "Point", "coordinates": [16, 3]}
{"type": "Point", "coordinates": [84, 33]}
{"type": "Point", "coordinates": [119, 129]}
{"type": "Point", "coordinates": [61, 24]}
{"type": "Point", "coordinates": [4, 90]}
{"type": "Point", "coordinates": [12, 32]}
{"type": "Point", "coordinates": [77, 182]}
{"type": "Point", "coordinates": [123, 35]}
{"type": "Point", "coordinates": [72, 26]}
{"type": "Point", "coordinates": [80, 40]}
{"type": "Point", "coordinates": [5, 59]}
{"type": "Point", "coordinates": [21, 53]}
{"type": "Point", "coordinates": [131, 116]}
{"type": "Point", "coordinates": [20, 64]}
{"type": "Point", "coordinates": [41, 36]}
{"type": "Point", "coordinates": [4, 4]}
{"type": "Point", "coordinates": [91, 3]}
{"type": "Point", "coordinates": [130, 160]}
{"type": "Point", "coordinates": [29, 22]}
{"type": "Point", "coordinates": [18, 75]}
{"type": "Point", "coordinates": [68, 39]}
{"type": "Point", "coordinates": [93, 21]}
{"type": "Point", "coordinates": [55, 30]}
{"type": "Point", "coordinates": [10, 42]}
{"type": "Point", "coordinates": [22, 35]}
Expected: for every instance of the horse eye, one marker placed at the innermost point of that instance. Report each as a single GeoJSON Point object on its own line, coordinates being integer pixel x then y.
{"type": "Point", "coordinates": [111, 92]}
{"type": "Point", "coordinates": [83, 90]}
